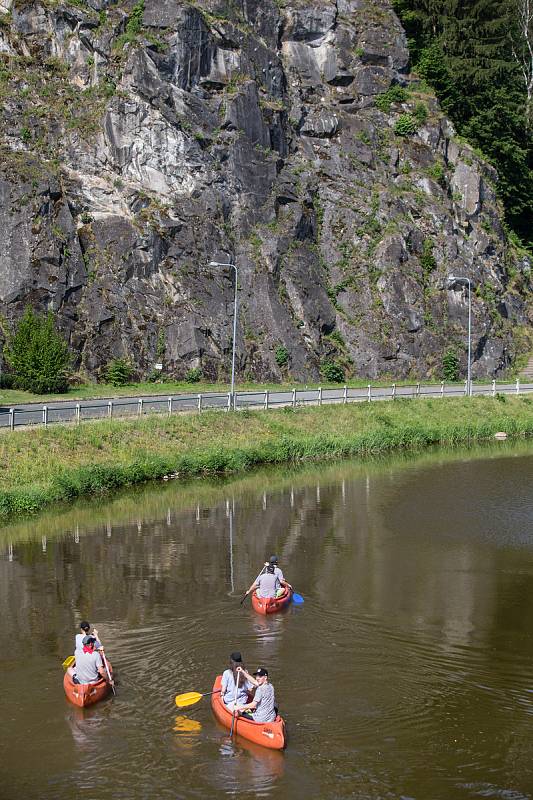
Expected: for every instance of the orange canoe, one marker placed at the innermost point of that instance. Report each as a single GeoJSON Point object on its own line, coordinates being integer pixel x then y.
{"type": "Point", "coordinates": [85, 694]}
{"type": "Point", "coordinates": [269, 605]}
{"type": "Point", "coordinates": [267, 734]}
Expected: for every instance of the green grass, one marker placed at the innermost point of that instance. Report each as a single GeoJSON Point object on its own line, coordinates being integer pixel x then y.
{"type": "Point", "coordinates": [90, 391]}
{"type": "Point", "coordinates": [152, 501]}
{"type": "Point", "coordinates": [39, 467]}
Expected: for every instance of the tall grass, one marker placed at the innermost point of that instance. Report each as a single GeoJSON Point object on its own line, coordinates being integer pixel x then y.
{"type": "Point", "coordinates": [46, 466]}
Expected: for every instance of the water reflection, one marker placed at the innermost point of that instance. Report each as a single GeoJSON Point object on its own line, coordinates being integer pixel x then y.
{"type": "Point", "coordinates": [406, 673]}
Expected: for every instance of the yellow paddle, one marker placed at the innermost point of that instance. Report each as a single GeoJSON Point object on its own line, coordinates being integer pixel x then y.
{"type": "Point", "coordinates": [190, 698]}
{"type": "Point", "coordinates": [68, 662]}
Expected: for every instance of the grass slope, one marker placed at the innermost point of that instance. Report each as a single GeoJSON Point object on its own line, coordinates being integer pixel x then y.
{"type": "Point", "coordinates": [13, 397]}
{"type": "Point", "coordinates": [43, 466]}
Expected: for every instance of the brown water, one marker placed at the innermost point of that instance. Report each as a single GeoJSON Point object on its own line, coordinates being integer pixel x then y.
{"type": "Point", "coordinates": [407, 673]}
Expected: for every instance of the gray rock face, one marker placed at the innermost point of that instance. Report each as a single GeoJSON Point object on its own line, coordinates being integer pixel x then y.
{"type": "Point", "coordinates": [138, 148]}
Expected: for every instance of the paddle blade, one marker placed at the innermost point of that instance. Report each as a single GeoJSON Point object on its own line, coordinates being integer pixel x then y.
{"type": "Point", "coordinates": [188, 699]}
{"type": "Point", "coordinates": [68, 662]}
{"type": "Point", "coordinates": [297, 599]}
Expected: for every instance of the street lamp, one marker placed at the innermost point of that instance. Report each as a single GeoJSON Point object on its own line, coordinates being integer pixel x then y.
{"type": "Point", "coordinates": [219, 264]}
{"type": "Point", "coordinates": [459, 279]}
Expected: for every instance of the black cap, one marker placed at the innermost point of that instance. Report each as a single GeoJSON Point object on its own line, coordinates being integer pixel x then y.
{"type": "Point", "coordinates": [88, 640]}
{"type": "Point", "coordinates": [236, 656]}
{"type": "Point", "coordinates": [84, 625]}
{"type": "Point", "coordinates": [273, 559]}
{"type": "Point", "coordinates": [261, 672]}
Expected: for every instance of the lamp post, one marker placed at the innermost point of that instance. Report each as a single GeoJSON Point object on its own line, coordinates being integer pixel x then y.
{"type": "Point", "coordinates": [232, 266]}
{"type": "Point", "coordinates": [460, 279]}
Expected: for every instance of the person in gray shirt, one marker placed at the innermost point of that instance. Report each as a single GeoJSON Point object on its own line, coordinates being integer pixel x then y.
{"type": "Point", "coordinates": [89, 666]}
{"type": "Point", "coordinates": [267, 584]}
{"type": "Point", "coordinates": [263, 707]}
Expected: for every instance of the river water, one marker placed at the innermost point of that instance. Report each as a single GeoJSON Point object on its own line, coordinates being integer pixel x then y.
{"type": "Point", "coordinates": [407, 673]}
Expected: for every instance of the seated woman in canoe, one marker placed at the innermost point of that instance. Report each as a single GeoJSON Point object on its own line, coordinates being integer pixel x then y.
{"type": "Point", "coordinates": [263, 706]}
{"type": "Point", "coordinates": [234, 677]}
{"type": "Point", "coordinates": [86, 630]}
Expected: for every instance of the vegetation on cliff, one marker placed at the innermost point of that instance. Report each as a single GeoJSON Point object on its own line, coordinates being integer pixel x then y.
{"type": "Point", "coordinates": [477, 56]}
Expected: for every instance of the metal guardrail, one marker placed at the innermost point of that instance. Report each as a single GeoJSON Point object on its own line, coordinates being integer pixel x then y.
{"type": "Point", "coordinates": [138, 407]}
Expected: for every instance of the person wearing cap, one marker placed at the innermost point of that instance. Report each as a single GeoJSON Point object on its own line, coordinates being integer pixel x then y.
{"type": "Point", "coordinates": [89, 665]}
{"type": "Point", "coordinates": [267, 584]}
{"type": "Point", "coordinates": [263, 707]}
{"type": "Point", "coordinates": [229, 682]}
{"type": "Point", "coordinates": [85, 628]}
{"type": "Point", "coordinates": [278, 573]}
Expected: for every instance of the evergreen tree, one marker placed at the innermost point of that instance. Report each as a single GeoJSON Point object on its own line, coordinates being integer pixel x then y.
{"type": "Point", "coordinates": [37, 355]}
{"type": "Point", "coordinates": [468, 52]}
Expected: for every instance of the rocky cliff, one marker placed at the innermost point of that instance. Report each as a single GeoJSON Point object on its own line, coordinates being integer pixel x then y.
{"type": "Point", "coordinates": [141, 141]}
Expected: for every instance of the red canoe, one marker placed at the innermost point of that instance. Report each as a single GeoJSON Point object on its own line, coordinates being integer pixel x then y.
{"type": "Point", "coordinates": [85, 694]}
{"type": "Point", "coordinates": [267, 734]}
{"type": "Point", "coordinates": [269, 605]}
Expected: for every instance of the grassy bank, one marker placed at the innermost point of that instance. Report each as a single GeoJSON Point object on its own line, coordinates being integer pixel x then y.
{"type": "Point", "coordinates": [45, 466]}
{"type": "Point", "coordinates": [92, 391]}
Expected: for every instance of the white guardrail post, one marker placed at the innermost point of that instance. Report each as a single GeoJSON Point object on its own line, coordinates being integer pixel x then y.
{"type": "Point", "coordinates": [110, 409]}
{"type": "Point", "coordinates": [200, 403]}
{"type": "Point", "coordinates": [169, 406]}
{"type": "Point", "coordinates": [494, 388]}
{"type": "Point", "coordinates": [319, 395]}
{"type": "Point", "coordinates": [78, 413]}
{"type": "Point", "coordinates": [229, 402]}
{"type": "Point", "coordinates": [345, 395]}
{"type": "Point", "coordinates": [466, 388]}
{"type": "Point", "coordinates": [12, 419]}
{"type": "Point", "coordinates": [266, 399]}
{"type": "Point", "coordinates": [294, 398]}
{"type": "Point", "coordinates": [417, 390]}
{"type": "Point", "coordinates": [518, 385]}
{"type": "Point", "coordinates": [442, 388]}
{"type": "Point", "coordinates": [369, 393]}
{"type": "Point", "coordinates": [393, 393]}
{"type": "Point", "coordinates": [140, 407]}
{"type": "Point", "coordinates": [45, 416]}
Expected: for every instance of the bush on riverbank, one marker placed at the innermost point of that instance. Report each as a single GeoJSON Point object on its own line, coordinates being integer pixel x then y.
{"type": "Point", "coordinates": [43, 466]}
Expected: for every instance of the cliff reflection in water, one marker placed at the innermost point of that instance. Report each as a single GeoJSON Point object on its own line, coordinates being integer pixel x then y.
{"type": "Point", "coordinates": [413, 643]}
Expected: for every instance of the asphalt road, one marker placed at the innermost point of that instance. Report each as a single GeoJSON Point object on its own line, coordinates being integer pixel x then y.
{"type": "Point", "coordinates": [71, 411]}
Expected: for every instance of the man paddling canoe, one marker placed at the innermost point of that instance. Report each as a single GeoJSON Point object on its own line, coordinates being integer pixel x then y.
{"type": "Point", "coordinates": [89, 666]}
{"type": "Point", "coordinates": [263, 706]}
{"type": "Point", "coordinates": [267, 584]}
{"type": "Point", "coordinates": [277, 572]}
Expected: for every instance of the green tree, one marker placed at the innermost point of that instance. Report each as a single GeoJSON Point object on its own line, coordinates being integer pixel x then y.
{"type": "Point", "coordinates": [474, 53]}
{"type": "Point", "coordinates": [37, 355]}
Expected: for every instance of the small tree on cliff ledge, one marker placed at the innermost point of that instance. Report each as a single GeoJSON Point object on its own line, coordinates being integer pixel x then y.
{"type": "Point", "coordinates": [37, 355]}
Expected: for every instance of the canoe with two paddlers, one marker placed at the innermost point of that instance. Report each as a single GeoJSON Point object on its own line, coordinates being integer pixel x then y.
{"type": "Point", "coordinates": [86, 694]}
{"type": "Point", "coordinates": [269, 605]}
{"type": "Point", "coordinates": [267, 734]}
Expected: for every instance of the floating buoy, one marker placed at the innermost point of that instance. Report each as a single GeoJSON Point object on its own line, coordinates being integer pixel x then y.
{"type": "Point", "coordinates": [500, 435]}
